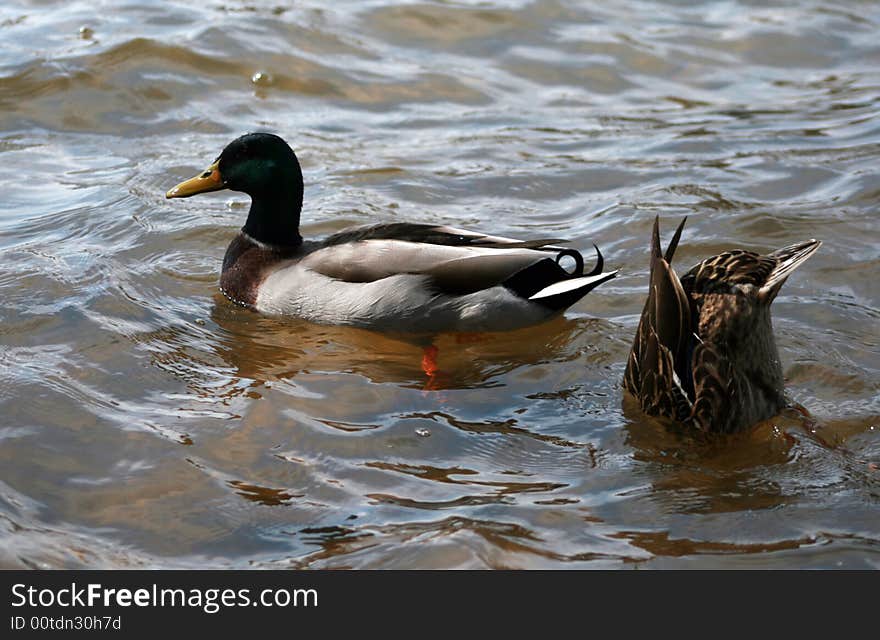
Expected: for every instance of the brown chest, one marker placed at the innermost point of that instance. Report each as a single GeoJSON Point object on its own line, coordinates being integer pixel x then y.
{"type": "Point", "coordinates": [245, 267]}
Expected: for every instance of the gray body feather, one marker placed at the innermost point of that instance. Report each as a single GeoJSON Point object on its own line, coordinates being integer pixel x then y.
{"type": "Point", "coordinates": [407, 277]}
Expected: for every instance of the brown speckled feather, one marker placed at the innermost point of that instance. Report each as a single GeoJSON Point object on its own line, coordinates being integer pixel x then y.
{"type": "Point", "coordinates": [659, 351]}
{"type": "Point", "coordinates": [704, 352]}
{"type": "Point", "coordinates": [715, 391]}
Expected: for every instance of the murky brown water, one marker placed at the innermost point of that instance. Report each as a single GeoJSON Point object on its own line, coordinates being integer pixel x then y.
{"type": "Point", "coordinates": [145, 421]}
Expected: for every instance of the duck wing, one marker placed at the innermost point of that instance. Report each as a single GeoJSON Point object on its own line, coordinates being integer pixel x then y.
{"type": "Point", "coordinates": [435, 234]}
{"type": "Point", "coordinates": [454, 261]}
{"type": "Point", "coordinates": [658, 367]}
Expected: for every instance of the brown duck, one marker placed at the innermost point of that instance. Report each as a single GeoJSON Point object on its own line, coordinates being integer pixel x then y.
{"type": "Point", "coordinates": [704, 353]}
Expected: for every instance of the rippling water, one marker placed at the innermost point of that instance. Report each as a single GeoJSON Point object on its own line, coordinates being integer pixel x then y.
{"type": "Point", "coordinates": [145, 421]}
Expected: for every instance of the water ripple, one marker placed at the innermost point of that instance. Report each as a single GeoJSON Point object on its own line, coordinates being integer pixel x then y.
{"type": "Point", "coordinates": [145, 421]}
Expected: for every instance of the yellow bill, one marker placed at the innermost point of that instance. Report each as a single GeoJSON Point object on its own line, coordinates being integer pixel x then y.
{"type": "Point", "coordinates": [207, 180]}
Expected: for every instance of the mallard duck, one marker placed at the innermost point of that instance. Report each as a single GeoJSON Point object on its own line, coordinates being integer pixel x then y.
{"type": "Point", "coordinates": [398, 276]}
{"type": "Point", "coordinates": [704, 353]}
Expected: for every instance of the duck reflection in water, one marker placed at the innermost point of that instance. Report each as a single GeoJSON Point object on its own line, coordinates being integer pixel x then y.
{"type": "Point", "coordinates": [265, 348]}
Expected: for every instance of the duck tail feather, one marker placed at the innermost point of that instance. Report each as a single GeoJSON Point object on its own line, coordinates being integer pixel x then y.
{"type": "Point", "coordinates": [656, 251]}
{"type": "Point", "coordinates": [787, 260]}
{"type": "Point", "coordinates": [665, 326]}
{"type": "Point", "coordinates": [673, 244]}
{"type": "Point", "coordinates": [600, 263]}
{"type": "Point", "coordinates": [565, 293]}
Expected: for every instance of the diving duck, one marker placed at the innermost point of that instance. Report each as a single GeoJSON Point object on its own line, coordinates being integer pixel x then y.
{"type": "Point", "coordinates": [397, 276]}
{"type": "Point", "coordinates": [704, 353]}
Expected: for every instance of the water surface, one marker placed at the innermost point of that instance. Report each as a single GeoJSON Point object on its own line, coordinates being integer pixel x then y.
{"type": "Point", "coordinates": [147, 422]}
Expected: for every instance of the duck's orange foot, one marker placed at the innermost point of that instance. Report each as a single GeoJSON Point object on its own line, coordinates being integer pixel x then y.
{"type": "Point", "coordinates": [431, 369]}
{"type": "Point", "coordinates": [429, 361]}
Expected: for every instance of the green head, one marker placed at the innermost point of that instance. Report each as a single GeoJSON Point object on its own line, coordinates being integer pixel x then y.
{"type": "Point", "coordinates": [263, 166]}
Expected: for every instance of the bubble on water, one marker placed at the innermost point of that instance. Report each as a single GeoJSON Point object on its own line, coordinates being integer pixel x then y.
{"type": "Point", "coordinates": [423, 432]}
{"type": "Point", "coordinates": [86, 33]}
{"type": "Point", "coordinates": [261, 79]}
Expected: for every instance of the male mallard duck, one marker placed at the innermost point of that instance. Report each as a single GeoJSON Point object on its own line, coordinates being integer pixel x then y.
{"type": "Point", "coordinates": [704, 352]}
{"type": "Point", "coordinates": [397, 276]}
